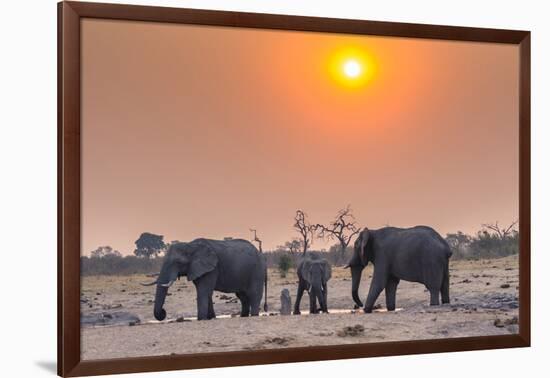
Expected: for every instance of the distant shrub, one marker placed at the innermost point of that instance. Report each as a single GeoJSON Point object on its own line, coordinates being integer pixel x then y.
{"type": "Point", "coordinates": [284, 265]}
{"type": "Point", "coordinates": [112, 264]}
{"type": "Point", "coordinates": [492, 241]}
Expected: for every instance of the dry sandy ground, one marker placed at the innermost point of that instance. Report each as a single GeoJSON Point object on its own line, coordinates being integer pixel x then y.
{"type": "Point", "coordinates": [483, 302]}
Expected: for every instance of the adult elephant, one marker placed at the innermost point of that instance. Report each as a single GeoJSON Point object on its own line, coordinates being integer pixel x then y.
{"type": "Point", "coordinates": [229, 266]}
{"type": "Point", "coordinates": [417, 254]}
{"type": "Point", "coordinates": [313, 274]}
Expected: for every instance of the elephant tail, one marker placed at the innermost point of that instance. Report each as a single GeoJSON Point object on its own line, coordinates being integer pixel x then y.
{"type": "Point", "coordinates": [265, 291]}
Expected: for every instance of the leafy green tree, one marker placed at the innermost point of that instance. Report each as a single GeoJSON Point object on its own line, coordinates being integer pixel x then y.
{"type": "Point", "coordinates": [105, 251]}
{"type": "Point", "coordinates": [149, 245]}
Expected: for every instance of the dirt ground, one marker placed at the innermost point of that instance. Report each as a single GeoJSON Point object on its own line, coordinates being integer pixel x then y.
{"type": "Point", "coordinates": [117, 314]}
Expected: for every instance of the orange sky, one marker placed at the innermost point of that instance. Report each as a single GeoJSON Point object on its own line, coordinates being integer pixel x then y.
{"type": "Point", "coordinates": [193, 131]}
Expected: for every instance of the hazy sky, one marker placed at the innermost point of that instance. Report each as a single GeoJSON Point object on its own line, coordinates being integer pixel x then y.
{"type": "Point", "coordinates": [194, 131]}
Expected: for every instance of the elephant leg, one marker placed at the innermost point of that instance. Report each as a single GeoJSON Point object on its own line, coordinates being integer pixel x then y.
{"type": "Point", "coordinates": [445, 288]}
{"type": "Point", "coordinates": [211, 313]}
{"type": "Point", "coordinates": [434, 296]}
{"type": "Point", "coordinates": [391, 289]}
{"type": "Point", "coordinates": [202, 306]}
{"type": "Point", "coordinates": [255, 302]}
{"type": "Point", "coordinates": [245, 305]}
{"type": "Point", "coordinates": [376, 286]}
{"type": "Point", "coordinates": [205, 287]}
{"type": "Point", "coordinates": [325, 296]}
{"type": "Point", "coordinates": [299, 294]}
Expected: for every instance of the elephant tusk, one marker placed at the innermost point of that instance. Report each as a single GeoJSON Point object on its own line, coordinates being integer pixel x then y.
{"type": "Point", "coordinates": [148, 284]}
{"type": "Point", "coordinates": [168, 284]}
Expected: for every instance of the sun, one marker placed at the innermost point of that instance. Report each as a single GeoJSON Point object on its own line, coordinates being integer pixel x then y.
{"type": "Point", "coordinates": [352, 67]}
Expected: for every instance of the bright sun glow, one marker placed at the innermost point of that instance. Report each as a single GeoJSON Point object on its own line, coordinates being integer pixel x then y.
{"type": "Point", "coordinates": [352, 67]}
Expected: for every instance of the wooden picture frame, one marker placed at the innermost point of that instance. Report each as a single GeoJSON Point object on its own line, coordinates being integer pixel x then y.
{"type": "Point", "coordinates": [70, 15]}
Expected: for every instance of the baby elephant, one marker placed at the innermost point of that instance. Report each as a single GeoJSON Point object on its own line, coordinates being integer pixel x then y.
{"type": "Point", "coordinates": [313, 274]}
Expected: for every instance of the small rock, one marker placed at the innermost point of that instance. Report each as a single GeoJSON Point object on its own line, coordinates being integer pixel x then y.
{"type": "Point", "coordinates": [180, 319]}
{"type": "Point", "coordinates": [487, 283]}
{"type": "Point", "coordinates": [356, 330]}
{"type": "Point", "coordinates": [514, 320]}
{"type": "Point", "coordinates": [505, 286]}
{"type": "Point", "coordinates": [286, 302]}
{"type": "Point", "coordinates": [502, 323]}
{"type": "Point", "coordinates": [112, 307]}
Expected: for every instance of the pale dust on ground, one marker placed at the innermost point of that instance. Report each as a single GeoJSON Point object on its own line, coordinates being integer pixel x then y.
{"type": "Point", "coordinates": [474, 285]}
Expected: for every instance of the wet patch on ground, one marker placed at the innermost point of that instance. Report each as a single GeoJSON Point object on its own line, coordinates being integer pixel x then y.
{"type": "Point", "coordinates": [117, 318]}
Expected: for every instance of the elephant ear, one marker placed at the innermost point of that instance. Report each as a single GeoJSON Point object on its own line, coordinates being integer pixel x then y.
{"type": "Point", "coordinates": [364, 239]}
{"type": "Point", "coordinates": [203, 260]}
{"type": "Point", "coordinates": [327, 271]}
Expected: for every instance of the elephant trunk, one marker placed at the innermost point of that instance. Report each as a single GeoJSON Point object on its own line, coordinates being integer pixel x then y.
{"type": "Point", "coordinates": [356, 272]}
{"type": "Point", "coordinates": [317, 295]}
{"type": "Point", "coordinates": [160, 296]}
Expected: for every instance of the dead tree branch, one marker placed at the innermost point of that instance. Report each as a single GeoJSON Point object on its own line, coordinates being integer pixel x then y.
{"type": "Point", "coordinates": [304, 228]}
{"type": "Point", "coordinates": [257, 239]}
{"type": "Point", "coordinates": [502, 232]}
{"type": "Point", "coordinates": [342, 228]}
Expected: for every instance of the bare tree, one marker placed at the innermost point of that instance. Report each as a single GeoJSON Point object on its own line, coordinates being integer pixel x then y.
{"type": "Point", "coordinates": [502, 232]}
{"type": "Point", "coordinates": [256, 239]}
{"type": "Point", "coordinates": [342, 228]}
{"type": "Point", "coordinates": [304, 228]}
{"type": "Point", "coordinates": [293, 246]}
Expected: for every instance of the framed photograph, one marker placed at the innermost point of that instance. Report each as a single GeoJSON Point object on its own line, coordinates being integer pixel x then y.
{"type": "Point", "coordinates": [241, 188]}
